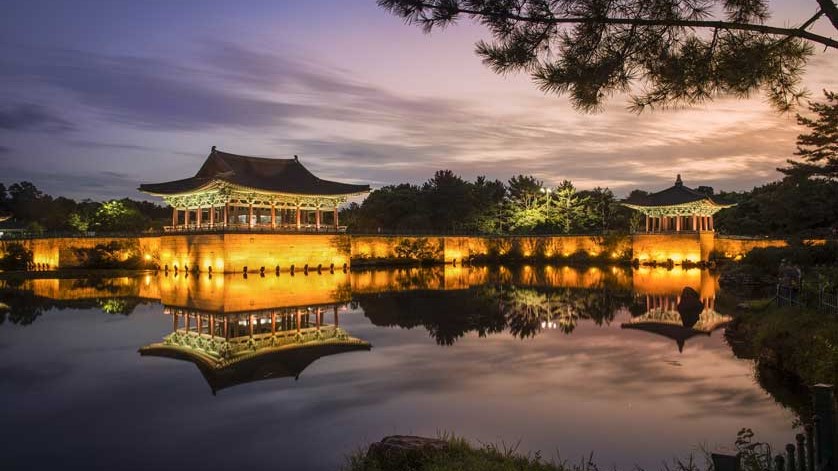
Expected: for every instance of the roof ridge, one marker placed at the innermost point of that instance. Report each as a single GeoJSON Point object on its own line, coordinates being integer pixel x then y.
{"type": "Point", "coordinates": [251, 157]}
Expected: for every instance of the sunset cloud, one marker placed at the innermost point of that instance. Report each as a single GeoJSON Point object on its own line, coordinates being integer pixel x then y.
{"type": "Point", "coordinates": [393, 106]}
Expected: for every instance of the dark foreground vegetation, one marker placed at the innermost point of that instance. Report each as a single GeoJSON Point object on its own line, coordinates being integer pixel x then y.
{"type": "Point", "coordinates": [453, 453]}
{"type": "Point", "coordinates": [800, 343]}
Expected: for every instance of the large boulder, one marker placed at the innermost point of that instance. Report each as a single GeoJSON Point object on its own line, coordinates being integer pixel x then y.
{"type": "Point", "coordinates": [405, 447]}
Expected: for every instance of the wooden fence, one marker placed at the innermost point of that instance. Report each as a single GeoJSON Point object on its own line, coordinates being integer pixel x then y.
{"type": "Point", "coordinates": [820, 296]}
{"type": "Point", "coordinates": [813, 450]}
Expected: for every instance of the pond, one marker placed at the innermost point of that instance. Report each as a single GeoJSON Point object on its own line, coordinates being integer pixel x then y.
{"type": "Point", "coordinates": [295, 372]}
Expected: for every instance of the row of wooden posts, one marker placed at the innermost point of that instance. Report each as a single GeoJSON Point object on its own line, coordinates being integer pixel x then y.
{"type": "Point", "coordinates": [813, 450]}
{"type": "Point", "coordinates": [306, 268]}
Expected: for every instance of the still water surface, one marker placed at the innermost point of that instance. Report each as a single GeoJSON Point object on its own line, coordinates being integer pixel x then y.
{"type": "Point", "coordinates": [282, 372]}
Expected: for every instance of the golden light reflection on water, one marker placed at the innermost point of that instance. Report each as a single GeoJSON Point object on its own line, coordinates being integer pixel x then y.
{"type": "Point", "coordinates": [237, 293]}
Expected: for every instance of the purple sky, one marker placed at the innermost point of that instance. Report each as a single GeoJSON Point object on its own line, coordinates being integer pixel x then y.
{"type": "Point", "coordinates": [97, 97]}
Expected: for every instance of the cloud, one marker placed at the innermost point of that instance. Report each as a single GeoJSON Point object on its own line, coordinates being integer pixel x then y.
{"type": "Point", "coordinates": [31, 117]}
{"type": "Point", "coordinates": [349, 129]}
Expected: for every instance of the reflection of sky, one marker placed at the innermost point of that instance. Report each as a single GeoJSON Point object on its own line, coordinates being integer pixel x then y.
{"type": "Point", "coordinates": [75, 390]}
{"type": "Point", "coordinates": [98, 96]}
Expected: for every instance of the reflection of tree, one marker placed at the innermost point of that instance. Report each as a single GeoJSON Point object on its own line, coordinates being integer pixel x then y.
{"type": "Point", "coordinates": [447, 315]}
{"type": "Point", "coordinates": [124, 306]}
{"type": "Point", "coordinates": [21, 307]}
{"type": "Point", "coordinates": [524, 311]}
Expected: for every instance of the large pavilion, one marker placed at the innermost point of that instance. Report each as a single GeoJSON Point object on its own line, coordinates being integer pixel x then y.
{"type": "Point", "coordinates": [252, 193]}
{"type": "Point", "coordinates": [677, 209]}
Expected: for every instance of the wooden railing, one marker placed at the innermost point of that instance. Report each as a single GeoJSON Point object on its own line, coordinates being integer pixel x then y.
{"type": "Point", "coordinates": [291, 228]}
{"type": "Point", "coordinates": [820, 296]}
{"type": "Point", "coordinates": [813, 450]}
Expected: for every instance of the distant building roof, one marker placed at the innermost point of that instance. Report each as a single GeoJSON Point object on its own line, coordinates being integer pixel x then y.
{"type": "Point", "coordinates": [672, 196]}
{"type": "Point", "coordinates": [258, 173]}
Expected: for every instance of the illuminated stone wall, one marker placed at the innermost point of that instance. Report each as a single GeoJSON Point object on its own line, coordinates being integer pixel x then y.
{"type": "Point", "coordinates": [52, 253]}
{"type": "Point", "coordinates": [371, 248]}
{"type": "Point", "coordinates": [230, 253]}
{"type": "Point", "coordinates": [692, 247]}
{"type": "Point", "coordinates": [533, 247]}
{"type": "Point", "coordinates": [737, 247]}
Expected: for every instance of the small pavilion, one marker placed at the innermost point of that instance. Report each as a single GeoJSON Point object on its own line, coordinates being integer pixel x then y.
{"type": "Point", "coordinates": [677, 209]}
{"type": "Point", "coordinates": [238, 192]}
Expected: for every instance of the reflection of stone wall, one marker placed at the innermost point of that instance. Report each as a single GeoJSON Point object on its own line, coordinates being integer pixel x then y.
{"type": "Point", "coordinates": [234, 293]}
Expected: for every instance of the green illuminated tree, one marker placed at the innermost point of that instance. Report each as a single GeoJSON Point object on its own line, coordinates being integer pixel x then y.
{"type": "Point", "coordinates": [665, 53]}
{"type": "Point", "coordinates": [527, 205]}
{"type": "Point", "coordinates": [568, 209]}
{"type": "Point", "coordinates": [119, 215]}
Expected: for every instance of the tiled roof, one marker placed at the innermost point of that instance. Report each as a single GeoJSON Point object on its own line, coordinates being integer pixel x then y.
{"type": "Point", "coordinates": [274, 175]}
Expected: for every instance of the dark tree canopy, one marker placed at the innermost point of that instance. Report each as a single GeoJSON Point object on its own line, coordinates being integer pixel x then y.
{"type": "Point", "coordinates": [818, 148]}
{"type": "Point", "coordinates": [663, 53]}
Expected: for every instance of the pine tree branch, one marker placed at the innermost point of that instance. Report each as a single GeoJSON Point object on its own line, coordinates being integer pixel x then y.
{"type": "Point", "coordinates": [684, 23]}
{"type": "Point", "coordinates": [831, 10]}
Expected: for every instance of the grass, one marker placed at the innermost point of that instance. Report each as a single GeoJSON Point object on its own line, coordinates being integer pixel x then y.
{"type": "Point", "coordinates": [461, 456]}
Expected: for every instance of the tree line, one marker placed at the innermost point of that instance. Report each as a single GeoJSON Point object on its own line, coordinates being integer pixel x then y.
{"type": "Point", "coordinates": [803, 203]}
{"type": "Point", "coordinates": [34, 211]}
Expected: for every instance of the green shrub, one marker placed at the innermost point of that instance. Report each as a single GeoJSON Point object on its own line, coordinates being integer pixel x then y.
{"type": "Point", "coordinates": [417, 249]}
{"type": "Point", "coordinates": [17, 257]}
{"type": "Point", "coordinates": [114, 254]}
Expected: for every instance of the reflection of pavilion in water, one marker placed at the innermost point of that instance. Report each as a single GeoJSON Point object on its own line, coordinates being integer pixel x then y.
{"type": "Point", "coordinates": [678, 314]}
{"type": "Point", "coordinates": [238, 331]}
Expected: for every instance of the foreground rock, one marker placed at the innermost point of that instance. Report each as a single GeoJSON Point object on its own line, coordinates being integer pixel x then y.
{"type": "Point", "coordinates": [406, 446]}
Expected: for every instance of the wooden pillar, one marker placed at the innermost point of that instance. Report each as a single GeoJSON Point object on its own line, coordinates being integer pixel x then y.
{"type": "Point", "coordinates": [250, 324]}
{"type": "Point", "coordinates": [186, 322]}
{"type": "Point", "coordinates": [273, 216]}
{"type": "Point", "coordinates": [710, 222]}
{"type": "Point", "coordinates": [317, 218]}
{"type": "Point", "coordinates": [226, 329]}
{"type": "Point", "coordinates": [678, 223]}
{"type": "Point", "coordinates": [198, 215]}
{"type": "Point", "coordinates": [250, 214]}
{"type": "Point", "coordinates": [336, 218]}
{"type": "Point", "coordinates": [174, 321]}
{"type": "Point", "coordinates": [174, 216]}
{"type": "Point", "coordinates": [212, 215]}
{"type": "Point", "coordinates": [212, 325]}
{"type": "Point", "coordinates": [298, 217]}
{"type": "Point", "coordinates": [695, 222]}
{"type": "Point", "coordinates": [226, 208]}
{"type": "Point", "coordinates": [186, 217]}
{"type": "Point", "coordinates": [337, 322]}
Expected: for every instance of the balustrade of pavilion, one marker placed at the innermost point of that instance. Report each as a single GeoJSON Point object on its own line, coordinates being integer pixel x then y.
{"type": "Point", "coordinates": [253, 324]}
{"type": "Point", "coordinates": [221, 211]}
